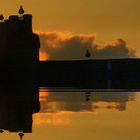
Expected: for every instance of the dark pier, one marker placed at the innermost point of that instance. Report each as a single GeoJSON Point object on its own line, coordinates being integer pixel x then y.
{"type": "Point", "coordinates": [91, 74]}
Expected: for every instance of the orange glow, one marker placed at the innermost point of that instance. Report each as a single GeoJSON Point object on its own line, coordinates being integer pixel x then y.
{"type": "Point", "coordinates": [43, 96]}
{"type": "Point", "coordinates": [43, 56]}
{"type": "Point", "coordinates": [61, 118]}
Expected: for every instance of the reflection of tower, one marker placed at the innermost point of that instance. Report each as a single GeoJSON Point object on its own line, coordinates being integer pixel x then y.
{"type": "Point", "coordinates": [17, 105]}
{"type": "Point", "coordinates": [75, 102]}
{"type": "Point", "coordinates": [19, 47]}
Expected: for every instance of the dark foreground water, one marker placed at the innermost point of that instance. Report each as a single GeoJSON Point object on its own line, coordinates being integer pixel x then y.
{"type": "Point", "coordinates": [85, 115]}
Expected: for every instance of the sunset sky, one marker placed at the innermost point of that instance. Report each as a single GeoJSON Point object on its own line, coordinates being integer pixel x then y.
{"type": "Point", "coordinates": [109, 29]}
{"type": "Point", "coordinates": [107, 19]}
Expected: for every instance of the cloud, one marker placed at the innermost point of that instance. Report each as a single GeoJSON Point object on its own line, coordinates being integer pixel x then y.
{"type": "Point", "coordinates": [114, 49]}
{"type": "Point", "coordinates": [66, 46]}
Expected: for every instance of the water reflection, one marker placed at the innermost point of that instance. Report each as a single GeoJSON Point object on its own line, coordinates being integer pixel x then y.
{"type": "Point", "coordinates": [56, 107]}
{"type": "Point", "coordinates": [17, 104]}
{"type": "Point", "coordinates": [53, 102]}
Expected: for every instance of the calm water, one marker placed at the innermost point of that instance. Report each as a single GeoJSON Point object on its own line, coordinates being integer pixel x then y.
{"type": "Point", "coordinates": [85, 115]}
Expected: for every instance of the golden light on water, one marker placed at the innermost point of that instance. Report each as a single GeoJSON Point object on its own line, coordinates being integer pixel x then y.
{"type": "Point", "coordinates": [55, 111]}
{"type": "Point", "coordinates": [61, 118]}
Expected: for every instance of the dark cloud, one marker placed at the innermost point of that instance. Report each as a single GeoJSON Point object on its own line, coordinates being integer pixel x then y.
{"type": "Point", "coordinates": [65, 46]}
{"type": "Point", "coordinates": [114, 49]}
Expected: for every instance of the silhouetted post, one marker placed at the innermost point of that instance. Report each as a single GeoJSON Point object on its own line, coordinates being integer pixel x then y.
{"type": "Point", "coordinates": [88, 95]}
{"type": "Point", "coordinates": [109, 75]}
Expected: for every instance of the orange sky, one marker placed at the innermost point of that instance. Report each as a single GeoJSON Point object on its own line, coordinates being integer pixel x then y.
{"type": "Point", "coordinates": [109, 19]}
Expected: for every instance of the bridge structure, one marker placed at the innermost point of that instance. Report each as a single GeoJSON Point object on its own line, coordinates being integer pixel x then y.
{"type": "Point", "coordinates": [101, 75]}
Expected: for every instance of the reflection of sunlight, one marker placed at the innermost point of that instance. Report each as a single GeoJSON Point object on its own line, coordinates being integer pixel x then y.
{"type": "Point", "coordinates": [43, 95]}
{"type": "Point", "coordinates": [61, 118]}
{"type": "Point", "coordinates": [55, 107]}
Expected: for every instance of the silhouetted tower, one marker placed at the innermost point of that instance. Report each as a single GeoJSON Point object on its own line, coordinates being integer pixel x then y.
{"type": "Point", "coordinates": [19, 59]}
{"type": "Point", "coordinates": [2, 39]}
{"type": "Point", "coordinates": [19, 46]}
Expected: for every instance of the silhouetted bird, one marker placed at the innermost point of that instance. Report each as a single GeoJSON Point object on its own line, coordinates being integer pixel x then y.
{"type": "Point", "coordinates": [87, 54]}
{"type": "Point", "coordinates": [1, 17]}
{"type": "Point", "coordinates": [1, 131]}
{"type": "Point", "coordinates": [21, 10]}
{"type": "Point", "coordinates": [21, 135]}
